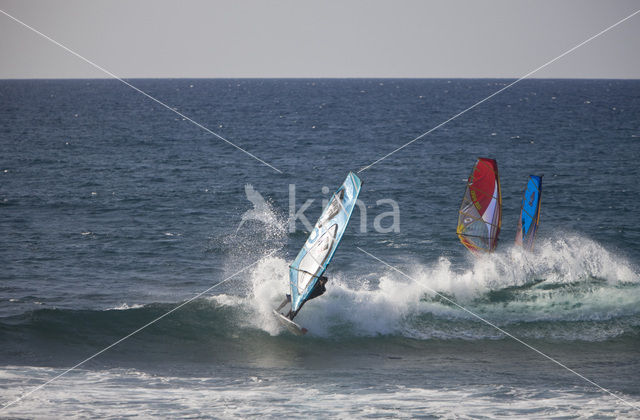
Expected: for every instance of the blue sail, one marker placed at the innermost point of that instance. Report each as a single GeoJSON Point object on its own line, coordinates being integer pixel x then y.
{"type": "Point", "coordinates": [529, 213]}
{"type": "Point", "coordinates": [317, 252]}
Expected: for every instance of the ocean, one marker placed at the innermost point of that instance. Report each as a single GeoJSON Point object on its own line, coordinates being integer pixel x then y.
{"type": "Point", "coordinates": [114, 211]}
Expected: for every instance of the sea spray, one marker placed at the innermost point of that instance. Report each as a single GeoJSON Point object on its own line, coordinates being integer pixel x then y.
{"type": "Point", "coordinates": [568, 280]}
{"type": "Point", "coordinates": [260, 231]}
{"type": "Point", "coordinates": [508, 288]}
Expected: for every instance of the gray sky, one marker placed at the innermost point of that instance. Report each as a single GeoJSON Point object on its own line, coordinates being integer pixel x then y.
{"type": "Point", "coordinates": [345, 38]}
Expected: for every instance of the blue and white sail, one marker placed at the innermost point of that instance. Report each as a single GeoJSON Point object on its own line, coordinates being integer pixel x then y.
{"type": "Point", "coordinates": [529, 213]}
{"type": "Point", "coordinates": [317, 252]}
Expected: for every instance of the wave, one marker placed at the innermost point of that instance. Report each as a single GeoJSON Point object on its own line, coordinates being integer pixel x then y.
{"type": "Point", "coordinates": [118, 393]}
{"type": "Point", "coordinates": [570, 289]}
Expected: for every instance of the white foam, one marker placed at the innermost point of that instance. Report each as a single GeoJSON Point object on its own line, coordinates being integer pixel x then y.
{"type": "Point", "coordinates": [269, 283]}
{"type": "Point", "coordinates": [227, 300]}
{"type": "Point", "coordinates": [125, 306]}
{"type": "Point", "coordinates": [122, 393]}
{"type": "Point", "coordinates": [568, 278]}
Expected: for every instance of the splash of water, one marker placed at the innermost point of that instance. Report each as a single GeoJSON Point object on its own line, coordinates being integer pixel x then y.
{"type": "Point", "coordinates": [567, 281]}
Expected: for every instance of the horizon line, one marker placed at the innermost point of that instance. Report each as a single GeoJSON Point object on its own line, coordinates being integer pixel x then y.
{"type": "Point", "coordinates": [317, 78]}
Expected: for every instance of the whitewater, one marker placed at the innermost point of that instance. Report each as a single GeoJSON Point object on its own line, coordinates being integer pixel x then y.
{"type": "Point", "coordinates": [114, 215]}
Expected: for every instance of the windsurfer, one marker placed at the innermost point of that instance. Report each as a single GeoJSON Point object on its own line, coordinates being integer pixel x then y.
{"type": "Point", "coordinates": [318, 290]}
{"type": "Point", "coordinates": [305, 272]}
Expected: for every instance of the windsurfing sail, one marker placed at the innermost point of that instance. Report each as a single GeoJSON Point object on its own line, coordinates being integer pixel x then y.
{"type": "Point", "coordinates": [317, 252]}
{"type": "Point", "coordinates": [480, 214]}
{"type": "Point", "coordinates": [529, 213]}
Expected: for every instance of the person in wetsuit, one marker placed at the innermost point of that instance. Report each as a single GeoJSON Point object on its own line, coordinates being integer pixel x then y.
{"type": "Point", "coordinates": [318, 290]}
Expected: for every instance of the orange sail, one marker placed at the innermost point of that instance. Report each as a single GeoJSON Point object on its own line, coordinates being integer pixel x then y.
{"type": "Point", "coordinates": [480, 214]}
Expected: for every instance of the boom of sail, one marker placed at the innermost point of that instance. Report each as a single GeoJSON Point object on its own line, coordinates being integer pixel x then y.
{"type": "Point", "coordinates": [529, 213]}
{"type": "Point", "coordinates": [317, 252]}
{"type": "Point", "coordinates": [480, 214]}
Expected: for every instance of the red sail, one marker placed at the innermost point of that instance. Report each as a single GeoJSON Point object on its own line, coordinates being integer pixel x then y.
{"type": "Point", "coordinates": [480, 214]}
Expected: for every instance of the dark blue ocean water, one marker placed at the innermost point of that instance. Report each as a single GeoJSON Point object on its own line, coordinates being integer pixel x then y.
{"type": "Point", "coordinates": [114, 210]}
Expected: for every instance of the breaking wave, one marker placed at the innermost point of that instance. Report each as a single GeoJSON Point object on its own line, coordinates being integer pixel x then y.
{"type": "Point", "coordinates": [571, 288]}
